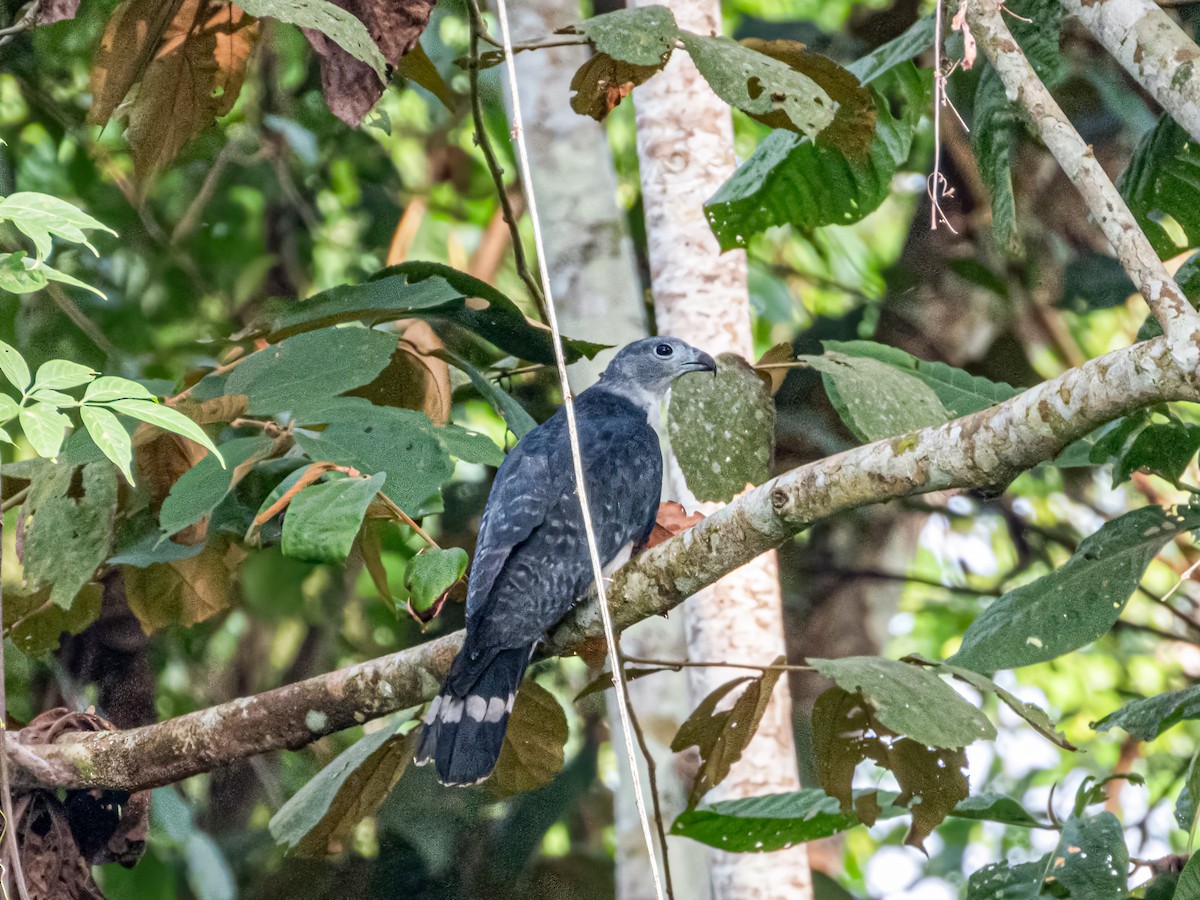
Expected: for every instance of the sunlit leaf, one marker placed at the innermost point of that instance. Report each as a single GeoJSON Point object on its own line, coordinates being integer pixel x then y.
{"type": "Point", "coordinates": [166, 418]}
{"type": "Point", "coordinates": [41, 216]}
{"type": "Point", "coordinates": [110, 436]}
{"type": "Point", "coordinates": [322, 520]}
{"type": "Point", "coordinates": [44, 428]}
{"type": "Point", "coordinates": [62, 373]}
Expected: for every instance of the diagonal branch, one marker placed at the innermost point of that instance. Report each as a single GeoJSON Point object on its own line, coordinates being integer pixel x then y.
{"type": "Point", "coordinates": [1152, 47]}
{"type": "Point", "coordinates": [988, 448]}
{"type": "Point", "coordinates": [1180, 322]}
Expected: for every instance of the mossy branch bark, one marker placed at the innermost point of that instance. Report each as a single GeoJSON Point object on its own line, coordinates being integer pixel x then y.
{"type": "Point", "coordinates": [988, 448]}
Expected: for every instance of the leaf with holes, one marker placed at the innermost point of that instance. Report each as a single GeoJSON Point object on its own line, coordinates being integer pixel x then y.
{"type": "Point", "coordinates": [876, 400]}
{"type": "Point", "coordinates": [909, 700]}
{"type": "Point", "coordinates": [722, 429]}
{"type": "Point", "coordinates": [1076, 604]}
{"type": "Point", "coordinates": [1000, 881]}
{"type": "Point", "coordinates": [722, 736]}
{"type": "Point", "coordinates": [323, 520]}
{"type": "Point", "coordinates": [319, 819]}
{"type": "Point", "coordinates": [1091, 859]}
{"type": "Point", "coordinates": [764, 824]}
{"type": "Point", "coordinates": [645, 36]}
{"type": "Point", "coordinates": [533, 749]}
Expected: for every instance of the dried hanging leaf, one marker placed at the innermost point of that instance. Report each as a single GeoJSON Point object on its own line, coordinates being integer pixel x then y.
{"type": "Point", "coordinates": [184, 591]}
{"type": "Point", "coordinates": [723, 736]}
{"type": "Point", "coordinates": [130, 39]}
{"type": "Point", "coordinates": [195, 77]}
{"type": "Point", "coordinates": [532, 753]}
{"type": "Point", "coordinates": [351, 86]}
{"type": "Point", "coordinates": [602, 83]}
{"type": "Point", "coordinates": [774, 365]}
{"type": "Point", "coordinates": [414, 378]}
{"type": "Point", "coordinates": [670, 520]}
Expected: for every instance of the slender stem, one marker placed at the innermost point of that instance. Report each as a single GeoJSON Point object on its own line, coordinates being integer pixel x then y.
{"type": "Point", "coordinates": [677, 664]}
{"type": "Point", "coordinates": [407, 520]}
{"type": "Point", "coordinates": [478, 29]}
{"type": "Point", "coordinates": [16, 499]}
{"type": "Point", "coordinates": [9, 835]}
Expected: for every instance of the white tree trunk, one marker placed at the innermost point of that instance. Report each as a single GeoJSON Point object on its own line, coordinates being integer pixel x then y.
{"type": "Point", "coordinates": [599, 297]}
{"type": "Point", "coordinates": [685, 150]}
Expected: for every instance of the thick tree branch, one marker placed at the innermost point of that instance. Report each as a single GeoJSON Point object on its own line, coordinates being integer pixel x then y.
{"type": "Point", "coordinates": [1159, 55]}
{"type": "Point", "coordinates": [1180, 322]}
{"type": "Point", "coordinates": [988, 448]}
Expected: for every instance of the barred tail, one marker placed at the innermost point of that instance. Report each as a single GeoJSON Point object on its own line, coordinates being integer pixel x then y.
{"type": "Point", "coordinates": [465, 725]}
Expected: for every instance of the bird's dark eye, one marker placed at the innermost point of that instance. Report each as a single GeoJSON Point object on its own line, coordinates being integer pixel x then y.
{"type": "Point", "coordinates": [663, 350]}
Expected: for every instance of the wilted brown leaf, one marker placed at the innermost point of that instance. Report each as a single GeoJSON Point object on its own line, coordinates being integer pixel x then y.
{"type": "Point", "coordinates": [602, 83]}
{"type": "Point", "coordinates": [414, 378]}
{"type": "Point", "coordinates": [774, 365]}
{"type": "Point", "coordinates": [186, 591]}
{"type": "Point", "coordinates": [533, 746]}
{"type": "Point", "coordinates": [130, 39]}
{"type": "Point", "coordinates": [194, 77]}
{"type": "Point", "coordinates": [723, 736]}
{"type": "Point", "coordinates": [54, 868]}
{"type": "Point", "coordinates": [671, 519]}
{"type": "Point", "coordinates": [360, 795]}
{"type": "Point", "coordinates": [351, 86]}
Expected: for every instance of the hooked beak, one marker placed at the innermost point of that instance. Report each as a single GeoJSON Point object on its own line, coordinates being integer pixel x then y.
{"type": "Point", "coordinates": [702, 363]}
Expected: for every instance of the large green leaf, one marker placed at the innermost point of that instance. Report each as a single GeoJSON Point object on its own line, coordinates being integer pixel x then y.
{"type": "Point", "coordinates": [422, 289]}
{"type": "Point", "coordinates": [431, 573]}
{"type": "Point", "coordinates": [1091, 861]}
{"type": "Point", "coordinates": [198, 490]}
{"type": "Point", "coordinates": [519, 421]}
{"type": "Point", "coordinates": [759, 85]}
{"type": "Point", "coordinates": [1000, 881]}
{"type": "Point", "coordinates": [642, 37]}
{"type": "Point", "coordinates": [1076, 604]}
{"type": "Point", "coordinates": [877, 400]}
{"type": "Point", "coordinates": [68, 540]}
{"type": "Point", "coordinates": [910, 700]}
{"type": "Point", "coordinates": [722, 429]}
{"type": "Point", "coordinates": [792, 181]}
{"type": "Point", "coordinates": [322, 520]}
{"type": "Point", "coordinates": [961, 393]}
{"type": "Point", "coordinates": [1148, 717]}
{"type": "Point", "coordinates": [1163, 181]}
{"type": "Point", "coordinates": [335, 22]}
{"type": "Point", "coordinates": [397, 442]}
{"type": "Point", "coordinates": [301, 374]}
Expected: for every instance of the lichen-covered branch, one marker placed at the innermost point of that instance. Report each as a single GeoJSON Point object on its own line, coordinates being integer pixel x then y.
{"type": "Point", "coordinates": [1180, 322]}
{"type": "Point", "coordinates": [988, 448]}
{"type": "Point", "coordinates": [1159, 55]}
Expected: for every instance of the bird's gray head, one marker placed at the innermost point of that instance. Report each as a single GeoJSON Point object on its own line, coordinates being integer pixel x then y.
{"type": "Point", "coordinates": [644, 370]}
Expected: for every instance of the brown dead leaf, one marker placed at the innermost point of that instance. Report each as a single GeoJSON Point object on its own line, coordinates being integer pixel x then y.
{"type": "Point", "coordinates": [603, 82]}
{"type": "Point", "coordinates": [414, 378]}
{"type": "Point", "coordinates": [532, 753]}
{"type": "Point", "coordinates": [53, 866]}
{"type": "Point", "coordinates": [194, 77]}
{"type": "Point", "coordinates": [671, 519]}
{"type": "Point", "coordinates": [351, 86]}
{"type": "Point", "coordinates": [722, 736]}
{"type": "Point", "coordinates": [186, 591]}
{"type": "Point", "coordinates": [774, 365]}
{"type": "Point", "coordinates": [130, 39]}
{"type": "Point", "coordinates": [225, 408]}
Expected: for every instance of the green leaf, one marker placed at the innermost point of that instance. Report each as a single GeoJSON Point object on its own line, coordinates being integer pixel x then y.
{"type": "Point", "coordinates": [722, 429]}
{"type": "Point", "coordinates": [642, 37]}
{"type": "Point", "coordinates": [17, 277]}
{"type": "Point", "coordinates": [385, 439]}
{"type": "Point", "coordinates": [62, 373]}
{"type": "Point", "coordinates": [1076, 604]}
{"type": "Point", "coordinates": [36, 626]}
{"type": "Point", "coordinates": [110, 436]}
{"type": "Point", "coordinates": [1091, 859]}
{"type": "Point", "coordinates": [1188, 803]}
{"type": "Point", "coordinates": [53, 398]}
{"type": "Point", "coordinates": [765, 823]}
{"type": "Point", "coordinates": [1148, 717]}
{"type": "Point", "coordinates": [519, 421]}
{"type": "Point", "coordinates": [146, 547]}
{"type": "Point", "coordinates": [961, 393]}
{"type": "Point", "coordinates": [1000, 881]}
{"type": "Point", "coordinates": [323, 519]}
{"type": "Point", "coordinates": [53, 274]}
{"type": "Point", "coordinates": [759, 85]}
{"type": "Point", "coordinates": [469, 446]}
{"type": "Point", "coordinates": [326, 809]}
{"type": "Point", "coordinates": [417, 67]}
{"type": "Point", "coordinates": [304, 372]}
{"type": "Point", "coordinates": [431, 573]}
{"type": "Point", "coordinates": [44, 427]}
{"type": "Point", "coordinates": [107, 388]}
{"type": "Point", "coordinates": [792, 181]}
{"type": "Point", "coordinates": [1165, 449]}
{"type": "Point", "coordinates": [422, 290]}
{"type": "Point", "coordinates": [910, 700]}
{"type": "Point", "coordinates": [197, 491]}
{"type": "Point", "coordinates": [993, 135]}
{"type": "Point", "coordinates": [39, 216]}
{"type": "Point", "coordinates": [533, 749]}
{"type": "Point", "coordinates": [338, 24]}
{"type": "Point", "coordinates": [166, 418]}
{"type": "Point", "coordinates": [913, 42]}
{"type": "Point", "coordinates": [876, 400]}
{"type": "Point", "coordinates": [8, 408]}
{"type": "Point", "coordinates": [1162, 183]}
{"type": "Point", "coordinates": [1188, 886]}
{"type": "Point", "coordinates": [12, 364]}
{"type": "Point", "coordinates": [67, 540]}
{"type": "Point", "coordinates": [995, 808]}
{"type": "Point", "coordinates": [1030, 712]}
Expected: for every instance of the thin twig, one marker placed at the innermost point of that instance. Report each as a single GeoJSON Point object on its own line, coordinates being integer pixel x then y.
{"type": "Point", "coordinates": [676, 664]}
{"type": "Point", "coordinates": [581, 491]}
{"type": "Point", "coordinates": [16, 499]}
{"type": "Point", "coordinates": [478, 29]}
{"type": "Point", "coordinates": [9, 835]}
{"type": "Point", "coordinates": [407, 520]}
